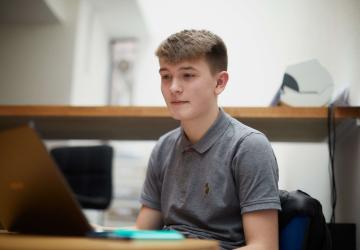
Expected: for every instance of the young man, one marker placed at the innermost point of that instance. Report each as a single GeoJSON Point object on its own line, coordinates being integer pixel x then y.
{"type": "Point", "coordinates": [214, 177]}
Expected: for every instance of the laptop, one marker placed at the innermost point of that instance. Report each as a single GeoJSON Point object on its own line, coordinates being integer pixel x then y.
{"type": "Point", "coordinates": [34, 196]}
{"type": "Point", "coordinates": [36, 199]}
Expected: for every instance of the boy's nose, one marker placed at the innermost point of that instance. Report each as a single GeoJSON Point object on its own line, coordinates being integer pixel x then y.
{"type": "Point", "coordinates": [175, 86]}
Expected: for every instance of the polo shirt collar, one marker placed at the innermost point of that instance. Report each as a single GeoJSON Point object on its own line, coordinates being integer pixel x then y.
{"type": "Point", "coordinates": [211, 136]}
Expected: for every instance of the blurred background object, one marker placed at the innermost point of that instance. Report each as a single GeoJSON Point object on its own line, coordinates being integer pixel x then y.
{"type": "Point", "coordinates": [306, 84]}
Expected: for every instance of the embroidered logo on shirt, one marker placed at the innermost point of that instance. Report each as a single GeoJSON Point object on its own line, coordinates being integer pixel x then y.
{"type": "Point", "coordinates": [206, 188]}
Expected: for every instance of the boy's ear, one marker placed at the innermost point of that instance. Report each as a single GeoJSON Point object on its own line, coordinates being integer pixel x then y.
{"type": "Point", "coordinates": [222, 80]}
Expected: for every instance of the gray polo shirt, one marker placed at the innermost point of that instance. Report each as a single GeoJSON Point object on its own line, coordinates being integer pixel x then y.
{"type": "Point", "coordinates": [202, 189]}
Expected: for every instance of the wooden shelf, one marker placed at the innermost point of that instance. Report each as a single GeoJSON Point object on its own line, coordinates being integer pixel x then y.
{"type": "Point", "coordinates": [148, 123]}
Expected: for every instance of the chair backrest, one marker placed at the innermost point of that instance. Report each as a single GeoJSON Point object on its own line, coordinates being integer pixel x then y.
{"type": "Point", "coordinates": [302, 225]}
{"type": "Point", "coordinates": [88, 170]}
{"type": "Point", "coordinates": [293, 235]}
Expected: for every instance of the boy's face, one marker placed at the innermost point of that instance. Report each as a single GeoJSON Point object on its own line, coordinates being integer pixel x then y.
{"type": "Point", "coordinates": [189, 88]}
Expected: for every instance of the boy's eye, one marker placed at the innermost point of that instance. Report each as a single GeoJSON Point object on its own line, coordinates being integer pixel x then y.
{"type": "Point", "coordinates": [188, 75]}
{"type": "Point", "coordinates": [165, 77]}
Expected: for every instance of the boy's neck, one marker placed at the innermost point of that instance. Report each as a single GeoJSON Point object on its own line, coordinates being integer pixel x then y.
{"type": "Point", "coordinates": [196, 129]}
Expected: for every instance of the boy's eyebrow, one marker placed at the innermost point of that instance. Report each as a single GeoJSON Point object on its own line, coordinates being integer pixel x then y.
{"type": "Point", "coordinates": [188, 68]}
{"type": "Point", "coordinates": [162, 69]}
{"type": "Point", "coordinates": [181, 68]}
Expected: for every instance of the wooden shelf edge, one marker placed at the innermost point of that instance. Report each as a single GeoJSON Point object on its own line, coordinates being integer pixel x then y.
{"type": "Point", "coordinates": [83, 111]}
{"type": "Point", "coordinates": [161, 111]}
{"type": "Point", "coordinates": [157, 111]}
{"type": "Point", "coordinates": [347, 112]}
{"type": "Point", "coordinates": [148, 123]}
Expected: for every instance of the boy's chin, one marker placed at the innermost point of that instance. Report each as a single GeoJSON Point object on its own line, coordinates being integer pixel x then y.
{"type": "Point", "coordinates": [179, 116]}
{"type": "Point", "coordinates": [182, 117]}
{"type": "Point", "coordinates": [182, 114]}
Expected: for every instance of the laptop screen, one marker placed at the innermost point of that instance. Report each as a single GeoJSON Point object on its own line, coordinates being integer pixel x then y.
{"type": "Point", "coordinates": [34, 196]}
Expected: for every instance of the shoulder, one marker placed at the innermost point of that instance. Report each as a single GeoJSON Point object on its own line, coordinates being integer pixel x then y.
{"type": "Point", "coordinates": [249, 146]}
{"type": "Point", "coordinates": [244, 135]}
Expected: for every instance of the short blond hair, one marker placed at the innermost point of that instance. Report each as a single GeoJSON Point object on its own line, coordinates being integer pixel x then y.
{"type": "Point", "coordinates": [193, 44]}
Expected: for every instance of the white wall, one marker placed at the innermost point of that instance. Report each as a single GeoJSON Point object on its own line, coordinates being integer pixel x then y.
{"type": "Point", "coordinates": [91, 59]}
{"type": "Point", "coordinates": [355, 83]}
{"type": "Point", "coordinates": [36, 61]}
{"type": "Point", "coordinates": [264, 37]}
{"type": "Point", "coordinates": [98, 23]}
{"type": "Point", "coordinates": [63, 63]}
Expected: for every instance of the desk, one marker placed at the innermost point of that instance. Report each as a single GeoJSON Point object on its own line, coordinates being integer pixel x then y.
{"type": "Point", "coordinates": [26, 242]}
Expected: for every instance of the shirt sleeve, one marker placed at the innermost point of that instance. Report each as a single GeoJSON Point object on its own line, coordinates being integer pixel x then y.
{"type": "Point", "coordinates": [256, 174]}
{"type": "Point", "coordinates": [151, 190]}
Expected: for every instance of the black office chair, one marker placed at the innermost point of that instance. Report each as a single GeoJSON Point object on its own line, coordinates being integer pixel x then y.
{"type": "Point", "coordinates": [88, 170]}
{"type": "Point", "coordinates": [302, 225]}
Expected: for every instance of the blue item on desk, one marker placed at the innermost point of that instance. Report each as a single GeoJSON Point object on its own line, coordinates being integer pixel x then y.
{"type": "Point", "coordinates": [140, 234]}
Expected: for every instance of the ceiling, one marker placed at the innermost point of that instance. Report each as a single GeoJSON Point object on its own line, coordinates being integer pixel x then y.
{"type": "Point", "coordinates": [26, 12]}
{"type": "Point", "coordinates": [120, 18]}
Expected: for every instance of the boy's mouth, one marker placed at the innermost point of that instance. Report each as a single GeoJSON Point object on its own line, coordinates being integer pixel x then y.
{"type": "Point", "coordinates": [178, 102]}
